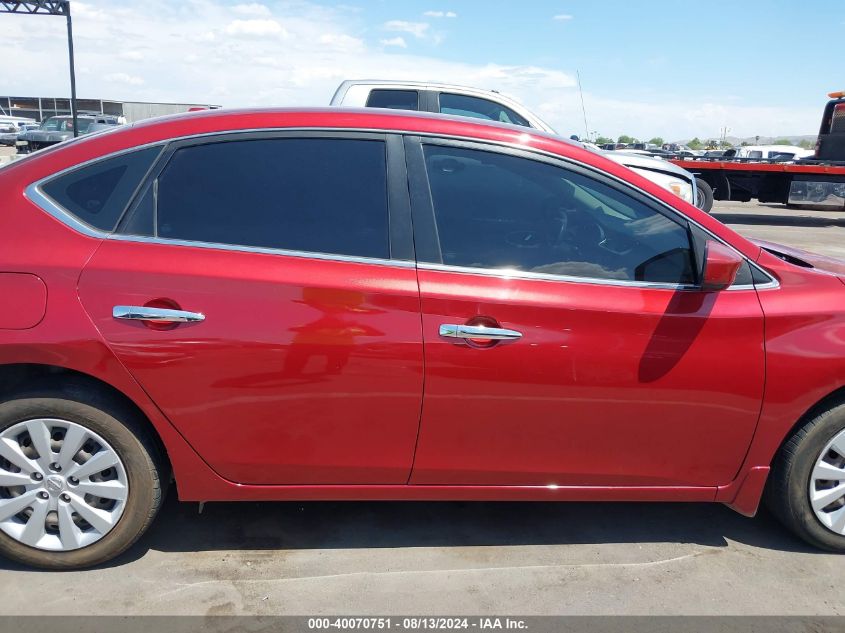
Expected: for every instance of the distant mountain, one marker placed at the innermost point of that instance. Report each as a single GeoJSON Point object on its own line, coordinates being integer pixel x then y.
{"type": "Point", "coordinates": [763, 140]}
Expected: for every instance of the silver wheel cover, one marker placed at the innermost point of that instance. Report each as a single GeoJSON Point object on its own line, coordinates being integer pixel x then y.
{"type": "Point", "coordinates": [827, 485]}
{"type": "Point", "coordinates": [62, 486]}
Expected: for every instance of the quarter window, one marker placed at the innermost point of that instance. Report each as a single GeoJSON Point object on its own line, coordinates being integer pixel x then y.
{"type": "Point", "coordinates": [303, 194]}
{"type": "Point", "coordinates": [475, 107]}
{"type": "Point", "coordinates": [99, 193]}
{"type": "Point", "coordinates": [505, 212]}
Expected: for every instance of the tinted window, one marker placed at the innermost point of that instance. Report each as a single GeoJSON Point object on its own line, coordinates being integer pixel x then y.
{"type": "Point", "coordinates": [98, 194]}
{"type": "Point", "coordinates": [499, 211]}
{"type": "Point", "coordinates": [462, 105]}
{"type": "Point", "coordinates": [394, 99]}
{"type": "Point", "coordinates": [305, 194]}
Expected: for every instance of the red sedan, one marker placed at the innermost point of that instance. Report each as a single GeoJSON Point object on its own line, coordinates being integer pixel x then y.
{"type": "Point", "coordinates": [332, 304]}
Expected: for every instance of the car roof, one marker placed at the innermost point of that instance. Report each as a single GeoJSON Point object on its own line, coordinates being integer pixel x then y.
{"type": "Point", "coordinates": [422, 85]}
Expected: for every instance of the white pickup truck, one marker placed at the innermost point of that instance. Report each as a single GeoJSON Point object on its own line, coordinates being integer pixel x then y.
{"type": "Point", "coordinates": [493, 106]}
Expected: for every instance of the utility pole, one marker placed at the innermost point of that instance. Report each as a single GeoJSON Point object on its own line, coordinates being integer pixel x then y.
{"type": "Point", "coordinates": [50, 7]}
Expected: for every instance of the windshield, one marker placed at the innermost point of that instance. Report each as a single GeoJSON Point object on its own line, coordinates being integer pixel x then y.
{"type": "Point", "coordinates": [64, 124]}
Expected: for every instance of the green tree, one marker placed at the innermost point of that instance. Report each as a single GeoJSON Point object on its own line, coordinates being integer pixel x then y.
{"type": "Point", "coordinates": [656, 141]}
{"type": "Point", "coordinates": [782, 141]}
{"type": "Point", "coordinates": [626, 139]}
{"type": "Point", "coordinates": [695, 144]}
{"type": "Point", "coordinates": [807, 144]}
{"type": "Point", "coordinates": [603, 140]}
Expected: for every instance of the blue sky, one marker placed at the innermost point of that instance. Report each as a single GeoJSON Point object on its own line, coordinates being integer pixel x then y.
{"type": "Point", "coordinates": [650, 67]}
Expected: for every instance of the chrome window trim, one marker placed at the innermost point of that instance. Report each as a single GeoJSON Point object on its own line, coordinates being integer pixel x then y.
{"type": "Point", "coordinates": [36, 195]}
{"type": "Point", "coordinates": [44, 202]}
{"type": "Point", "coordinates": [508, 273]}
{"type": "Point", "coordinates": [262, 250]}
{"type": "Point", "coordinates": [512, 273]}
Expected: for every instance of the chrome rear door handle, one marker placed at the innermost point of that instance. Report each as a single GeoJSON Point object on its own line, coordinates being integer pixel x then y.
{"type": "Point", "coordinates": [449, 330]}
{"type": "Point", "coordinates": [156, 315]}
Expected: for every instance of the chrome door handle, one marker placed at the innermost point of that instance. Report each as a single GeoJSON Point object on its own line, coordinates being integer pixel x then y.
{"type": "Point", "coordinates": [156, 315]}
{"type": "Point", "coordinates": [449, 330]}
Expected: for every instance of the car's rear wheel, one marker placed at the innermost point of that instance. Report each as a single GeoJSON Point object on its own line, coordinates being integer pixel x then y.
{"type": "Point", "coordinates": [807, 486]}
{"type": "Point", "coordinates": [80, 479]}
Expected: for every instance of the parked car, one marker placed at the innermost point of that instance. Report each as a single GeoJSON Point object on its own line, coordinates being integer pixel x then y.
{"type": "Point", "coordinates": [668, 176]}
{"type": "Point", "coordinates": [16, 122]}
{"type": "Point", "coordinates": [12, 136]}
{"type": "Point", "coordinates": [60, 128]}
{"type": "Point", "coordinates": [8, 134]}
{"type": "Point", "coordinates": [488, 105]}
{"type": "Point", "coordinates": [768, 152]}
{"type": "Point", "coordinates": [244, 299]}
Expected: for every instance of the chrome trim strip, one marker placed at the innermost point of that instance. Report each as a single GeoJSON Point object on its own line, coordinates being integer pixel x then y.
{"type": "Point", "coordinates": [528, 275]}
{"type": "Point", "coordinates": [355, 259]}
{"type": "Point", "coordinates": [36, 196]}
{"type": "Point", "coordinates": [34, 193]}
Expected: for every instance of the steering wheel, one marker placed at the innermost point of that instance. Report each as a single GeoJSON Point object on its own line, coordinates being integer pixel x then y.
{"type": "Point", "coordinates": [573, 228]}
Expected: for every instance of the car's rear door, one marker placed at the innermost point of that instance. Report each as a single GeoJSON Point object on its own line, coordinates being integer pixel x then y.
{"type": "Point", "coordinates": [613, 368]}
{"type": "Point", "coordinates": [290, 257]}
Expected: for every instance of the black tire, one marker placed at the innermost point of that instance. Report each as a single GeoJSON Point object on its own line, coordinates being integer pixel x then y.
{"type": "Point", "coordinates": [704, 195]}
{"type": "Point", "coordinates": [788, 489]}
{"type": "Point", "coordinates": [118, 424]}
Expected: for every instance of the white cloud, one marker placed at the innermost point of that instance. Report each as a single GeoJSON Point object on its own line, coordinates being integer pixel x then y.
{"type": "Point", "coordinates": [124, 78]}
{"type": "Point", "coordinates": [417, 29]}
{"type": "Point", "coordinates": [562, 17]}
{"type": "Point", "coordinates": [252, 8]}
{"type": "Point", "coordinates": [342, 42]}
{"type": "Point", "coordinates": [395, 41]}
{"type": "Point", "coordinates": [255, 28]}
{"type": "Point", "coordinates": [133, 56]}
{"type": "Point", "coordinates": [207, 64]}
{"type": "Point", "coordinates": [440, 14]}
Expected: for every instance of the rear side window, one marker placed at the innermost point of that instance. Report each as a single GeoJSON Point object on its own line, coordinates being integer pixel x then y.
{"type": "Point", "coordinates": [394, 99]}
{"type": "Point", "coordinates": [99, 193]}
{"type": "Point", "coordinates": [315, 195]}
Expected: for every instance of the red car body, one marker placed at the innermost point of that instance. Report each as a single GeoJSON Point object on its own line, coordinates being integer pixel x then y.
{"type": "Point", "coordinates": [614, 393]}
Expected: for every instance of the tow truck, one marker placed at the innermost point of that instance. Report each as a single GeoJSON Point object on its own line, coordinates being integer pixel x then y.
{"type": "Point", "coordinates": [817, 182]}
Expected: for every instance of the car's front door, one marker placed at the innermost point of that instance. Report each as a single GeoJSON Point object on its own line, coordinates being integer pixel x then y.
{"type": "Point", "coordinates": [306, 367]}
{"type": "Point", "coordinates": [612, 367]}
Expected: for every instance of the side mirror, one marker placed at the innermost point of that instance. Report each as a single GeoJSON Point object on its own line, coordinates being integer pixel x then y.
{"type": "Point", "coordinates": [721, 264]}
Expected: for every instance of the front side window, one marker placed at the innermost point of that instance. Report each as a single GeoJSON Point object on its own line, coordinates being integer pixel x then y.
{"type": "Point", "coordinates": [505, 212]}
{"type": "Point", "coordinates": [304, 194]}
{"type": "Point", "coordinates": [99, 193]}
{"type": "Point", "coordinates": [462, 105]}
{"type": "Point", "coordinates": [394, 99]}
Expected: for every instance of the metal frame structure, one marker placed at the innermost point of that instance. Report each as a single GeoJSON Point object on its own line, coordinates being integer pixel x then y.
{"type": "Point", "coordinates": [50, 7]}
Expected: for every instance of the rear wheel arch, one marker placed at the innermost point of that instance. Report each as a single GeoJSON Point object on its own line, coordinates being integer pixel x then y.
{"type": "Point", "coordinates": [23, 378]}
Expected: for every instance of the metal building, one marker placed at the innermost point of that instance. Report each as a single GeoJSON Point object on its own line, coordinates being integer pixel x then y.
{"type": "Point", "coordinates": [40, 108]}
